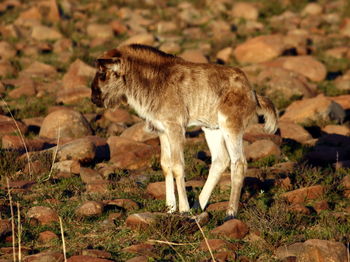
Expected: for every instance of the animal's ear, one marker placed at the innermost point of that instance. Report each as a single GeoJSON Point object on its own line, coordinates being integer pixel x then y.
{"type": "Point", "coordinates": [109, 63]}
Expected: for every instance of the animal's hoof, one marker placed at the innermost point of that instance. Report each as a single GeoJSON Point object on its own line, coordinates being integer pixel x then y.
{"type": "Point", "coordinates": [197, 206]}
{"type": "Point", "coordinates": [229, 217]}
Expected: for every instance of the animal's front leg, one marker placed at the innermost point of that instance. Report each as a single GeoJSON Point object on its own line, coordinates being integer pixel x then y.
{"type": "Point", "coordinates": [165, 161]}
{"type": "Point", "coordinates": [176, 136]}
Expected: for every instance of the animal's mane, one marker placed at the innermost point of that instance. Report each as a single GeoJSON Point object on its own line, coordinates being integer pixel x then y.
{"type": "Point", "coordinates": [149, 49]}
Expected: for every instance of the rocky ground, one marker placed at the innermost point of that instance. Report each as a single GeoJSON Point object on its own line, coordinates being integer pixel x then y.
{"type": "Point", "coordinates": [97, 171]}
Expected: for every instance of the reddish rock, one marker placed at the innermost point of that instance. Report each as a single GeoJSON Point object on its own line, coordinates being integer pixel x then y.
{"type": "Point", "coordinates": [126, 153]}
{"type": "Point", "coordinates": [304, 194]}
{"type": "Point", "coordinates": [6, 69]}
{"type": "Point", "coordinates": [5, 227]}
{"type": "Point", "coordinates": [126, 204]}
{"type": "Point", "coordinates": [220, 206]}
{"type": "Point", "coordinates": [299, 208]}
{"type": "Point", "coordinates": [45, 256]}
{"type": "Point", "coordinates": [47, 236]}
{"type": "Point", "coordinates": [44, 33]}
{"type": "Point", "coordinates": [293, 131]}
{"type": "Point", "coordinates": [89, 176]}
{"type": "Point", "coordinates": [312, 9]}
{"type": "Point", "coordinates": [7, 51]}
{"type": "Point", "coordinates": [67, 166]}
{"type": "Point", "coordinates": [140, 220]}
{"type": "Point", "coordinates": [38, 69]}
{"type": "Point", "coordinates": [49, 10]}
{"type": "Point", "coordinates": [96, 253]}
{"type": "Point", "coordinates": [104, 31]}
{"type": "Point", "coordinates": [194, 55]}
{"type": "Point", "coordinates": [12, 142]}
{"type": "Point", "coordinates": [138, 133]}
{"type": "Point", "coordinates": [224, 55]}
{"type": "Point", "coordinates": [78, 75]}
{"type": "Point", "coordinates": [245, 10]}
{"type": "Point", "coordinates": [343, 100]}
{"type": "Point", "coordinates": [98, 187]}
{"type": "Point", "coordinates": [118, 27]}
{"type": "Point", "coordinates": [143, 39]}
{"type": "Point", "coordinates": [141, 249]}
{"type": "Point", "coordinates": [44, 215]}
{"type": "Point", "coordinates": [307, 66]}
{"type": "Point", "coordinates": [321, 205]}
{"type": "Point", "coordinates": [345, 27]}
{"type": "Point", "coordinates": [156, 190]}
{"type": "Point", "coordinates": [217, 245]}
{"type": "Point", "coordinates": [259, 49]}
{"type": "Point", "coordinates": [82, 150]}
{"type": "Point", "coordinates": [233, 228]}
{"type": "Point", "coordinates": [336, 129]}
{"type": "Point", "coordinates": [90, 209]}
{"type": "Point", "coordinates": [119, 116]}
{"type": "Point", "coordinates": [313, 109]}
{"type": "Point", "coordinates": [138, 259]}
{"type": "Point", "coordinates": [28, 90]}
{"type": "Point", "coordinates": [81, 258]}
{"type": "Point", "coordinates": [260, 149]}
{"type": "Point", "coordinates": [65, 123]}
{"type": "Point", "coordinates": [73, 95]}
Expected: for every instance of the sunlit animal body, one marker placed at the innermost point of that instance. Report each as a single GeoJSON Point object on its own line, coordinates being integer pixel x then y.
{"type": "Point", "coordinates": [172, 94]}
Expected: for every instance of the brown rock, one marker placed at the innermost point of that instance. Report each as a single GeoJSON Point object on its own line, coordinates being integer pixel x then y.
{"type": "Point", "coordinates": [119, 116]}
{"type": "Point", "coordinates": [170, 47]}
{"type": "Point", "coordinates": [118, 27]}
{"type": "Point", "coordinates": [307, 66]}
{"type": "Point", "coordinates": [12, 142]}
{"type": "Point", "coordinates": [224, 55]}
{"type": "Point", "coordinates": [82, 150]}
{"type": "Point", "coordinates": [38, 69]}
{"type": "Point", "coordinates": [126, 153]}
{"type": "Point", "coordinates": [81, 258]}
{"type": "Point", "coordinates": [138, 259]}
{"type": "Point", "coordinates": [7, 51]}
{"type": "Point", "coordinates": [89, 175]}
{"type": "Point", "coordinates": [96, 253]}
{"type": "Point", "coordinates": [143, 39]}
{"type": "Point", "coordinates": [138, 133]}
{"type": "Point", "coordinates": [194, 55]}
{"type": "Point", "coordinates": [259, 49]}
{"type": "Point", "coordinates": [44, 257]}
{"type": "Point", "coordinates": [49, 10]}
{"type": "Point", "coordinates": [313, 109]}
{"type": "Point", "coordinates": [299, 208]}
{"type": "Point", "coordinates": [140, 220]}
{"type": "Point", "coordinates": [304, 194]}
{"type": "Point", "coordinates": [156, 190]}
{"type": "Point", "coordinates": [5, 227]}
{"type": "Point", "coordinates": [65, 123]}
{"type": "Point", "coordinates": [220, 206]}
{"type": "Point", "coordinates": [312, 9]}
{"type": "Point", "coordinates": [245, 10]}
{"type": "Point", "coordinates": [337, 129]}
{"type": "Point", "coordinates": [67, 166]}
{"type": "Point", "coordinates": [44, 215]}
{"type": "Point", "coordinates": [166, 26]}
{"type": "Point", "coordinates": [126, 204]}
{"type": "Point", "coordinates": [233, 228]}
{"type": "Point", "coordinates": [22, 91]}
{"type": "Point", "coordinates": [321, 205]}
{"type": "Point", "coordinates": [260, 149]}
{"type": "Point", "coordinates": [90, 209]}
{"type": "Point", "coordinates": [141, 249]}
{"type": "Point", "coordinates": [314, 250]}
{"type": "Point", "coordinates": [73, 95]}
{"type": "Point", "coordinates": [47, 236]}
{"type": "Point", "coordinates": [44, 33]}
{"type": "Point", "coordinates": [6, 69]}
{"type": "Point", "coordinates": [217, 245]}
{"type": "Point", "coordinates": [345, 27]}
{"type": "Point", "coordinates": [293, 131]}
{"type": "Point", "coordinates": [343, 100]}
{"type": "Point", "coordinates": [104, 31]}
{"type": "Point", "coordinates": [78, 75]}
{"type": "Point", "coordinates": [98, 187]}
{"type": "Point", "coordinates": [284, 83]}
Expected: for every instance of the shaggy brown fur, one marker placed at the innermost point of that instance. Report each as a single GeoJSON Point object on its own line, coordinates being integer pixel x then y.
{"type": "Point", "coordinates": [171, 94]}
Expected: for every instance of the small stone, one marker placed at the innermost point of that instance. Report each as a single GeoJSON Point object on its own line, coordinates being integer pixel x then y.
{"type": "Point", "coordinates": [38, 69]}
{"type": "Point", "coordinates": [293, 131]}
{"type": "Point", "coordinates": [320, 206]}
{"type": "Point", "coordinates": [47, 236]}
{"type": "Point", "coordinates": [259, 49]}
{"type": "Point", "coordinates": [45, 256]}
{"type": "Point", "coordinates": [343, 100]}
{"type": "Point", "coordinates": [220, 206]}
{"type": "Point", "coordinates": [89, 176]}
{"type": "Point", "coordinates": [44, 215]}
{"type": "Point", "coordinates": [140, 220]}
{"type": "Point", "coordinates": [90, 209]}
{"type": "Point", "coordinates": [260, 149]}
{"type": "Point", "coordinates": [73, 95]}
{"type": "Point", "coordinates": [245, 10]}
{"type": "Point", "coordinates": [224, 55]}
{"type": "Point", "coordinates": [156, 190]}
{"type": "Point", "coordinates": [126, 204]}
{"type": "Point", "coordinates": [312, 9]}
{"type": "Point", "coordinates": [65, 123]}
{"type": "Point", "coordinates": [5, 227]}
{"type": "Point", "coordinates": [67, 166]}
{"type": "Point", "coordinates": [6, 69]}
{"type": "Point", "coordinates": [82, 150]}
{"type": "Point", "coordinates": [337, 129]}
{"type": "Point", "coordinates": [301, 195]}
{"type": "Point", "coordinates": [313, 109]}
{"type": "Point", "coordinates": [138, 259]}
{"type": "Point", "coordinates": [78, 75]}
{"type": "Point", "coordinates": [44, 33]}
{"type": "Point", "coordinates": [100, 31]}
{"type": "Point", "coordinates": [170, 47]}
{"type": "Point", "coordinates": [299, 208]}
{"type": "Point", "coordinates": [194, 56]}
{"type": "Point", "coordinates": [143, 39]}
{"type": "Point", "coordinates": [233, 228]}
{"type": "Point", "coordinates": [138, 133]}
{"type": "Point", "coordinates": [81, 258]}
{"type": "Point", "coordinates": [307, 66]}
{"type": "Point", "coordinates": [141, 249]}
{"type": "Point", "coordinates": [216, 245]}
{"type": "Point", "coordinates": [7, 51]}
{"type": "Point", "coordinates": [119, 116]}
{"type": "Point", "coordinates": [96, 253]}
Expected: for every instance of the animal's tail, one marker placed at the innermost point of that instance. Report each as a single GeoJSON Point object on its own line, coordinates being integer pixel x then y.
{"type": "Point", "coordinates": [266, 108]}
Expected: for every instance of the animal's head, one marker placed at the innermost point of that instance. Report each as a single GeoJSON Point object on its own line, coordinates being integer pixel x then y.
{"type": "Point", "coordinates": [109, 78]}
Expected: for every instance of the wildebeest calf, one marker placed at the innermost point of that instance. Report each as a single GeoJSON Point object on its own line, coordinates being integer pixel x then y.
{"type": "Point", "coordinates": [172, 94]}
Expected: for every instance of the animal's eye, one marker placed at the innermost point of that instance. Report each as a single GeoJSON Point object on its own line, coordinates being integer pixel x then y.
{"type": "Point", "coordinates": [102, 76]}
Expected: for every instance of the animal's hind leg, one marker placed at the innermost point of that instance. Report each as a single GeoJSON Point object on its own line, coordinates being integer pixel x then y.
{"type": "Point", "coordinates": [219, 162]}
{"type": "Point", "coordinates": [232, 129]}
{"type": "Point", "coordinates": [165, 161]}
